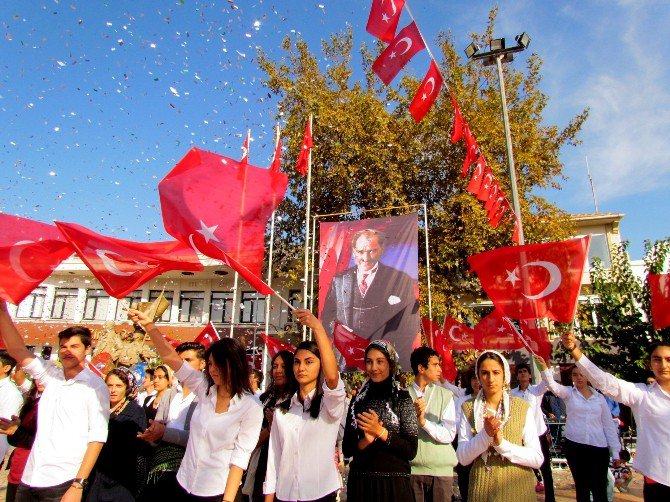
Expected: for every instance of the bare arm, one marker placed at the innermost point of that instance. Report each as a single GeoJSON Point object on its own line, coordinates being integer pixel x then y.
{"type": "Point", "coordinates": [328, 361]}
{"type": "Point", "coordinates": [75, 492]}
{"type": "Point", "coordinates": [15, 346]}
{"type": "Point", "coordinates": [233, 483]}
{"type": "Point", "coordinates": [164, 349]}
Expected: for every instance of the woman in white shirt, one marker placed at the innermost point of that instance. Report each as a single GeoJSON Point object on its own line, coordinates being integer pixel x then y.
{"type": "Point", "coordinates": [225, 424]}
{"type": "Point", "coordinates": [590, 434]}
{"type": "Point", "coordinates": [301, 459]}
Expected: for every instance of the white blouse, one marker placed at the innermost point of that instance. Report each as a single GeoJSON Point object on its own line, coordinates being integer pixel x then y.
{"type": "Point", "coordinates": [301, 457]}
{"type": "Point", "coordinates": [589, 421]}
{"type": "Point", "coordinates": [216, 440]}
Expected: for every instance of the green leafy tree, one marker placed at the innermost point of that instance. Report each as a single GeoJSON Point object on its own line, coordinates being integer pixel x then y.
{"type": "Point", "coordinates": [369, 153]}
{"type": "Point", "coordinates": [617, 329]}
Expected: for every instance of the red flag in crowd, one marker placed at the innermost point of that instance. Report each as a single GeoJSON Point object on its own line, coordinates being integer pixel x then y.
{"type": "Point", "coordinates": [245, 150]}
{"type": "Point", "coordinates": [101, 364]}
{"type": "Point", "coordinates": [534, 280]}
{"type": "Point", "coordinates": [497, 332]}
{"type": "Point", "coordinates": [493, 209]}
{"type": "Point", "coordinates": [275, 166]}
{"type": "Point", "coordinates": [659, 286]}
{"type": "Point", "coordinates": [351, 346]}
{"type": "Point", "coordinates": [485, 188]}
{"type": "Point", "coordinates": [493, 195]}
{"type": "Point", "coordinates": [498, 216]}
{"type": "Point", "coordinates": [171, 341]}
{"type": "Point", "coordinates": [477, 175]}
{"type": "Point", "coordinates": [427, 93]}
{"type": "Point", "coordinates": [384, 17]}
{"type": "Point", "coordinates": [457, 335]}
{"type": "Point", "coordinates": [208, 336]}
{"type": "Point", "coordinates": [29, 252]}
{"type": "Point", "coordinates": [230, 227]}
{"type": "Point", "coordinates": [403, 48]}
{"type": "Point", "coordinates": [123, 266]}
{"type": "Point", "coordinates": [275, 345]}
{"type": "Point", "coordinates": [435, 336]}
{"type": "Point", "coordinates": [516, 232]}
{"type": "Point", "coordinates": [471, 150]}
{"type": "Point", "coordinates": [536, 337]}
{"type": "Point", "coordinates": [307, 145]}
{"type": "Point", "coordinates": [458, 125]}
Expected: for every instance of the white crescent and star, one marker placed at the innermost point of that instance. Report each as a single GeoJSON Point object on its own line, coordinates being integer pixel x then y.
{"type": "Point", "coordinates": [451, 333]}
{"type": "Point", "coordinates": [15, 260]}
{"type": "Point", "coordinates": [430, 81]}
{"type": "Point", "coordinates": [554, 278]}
{"type": "Point", "coordinates": [395, 9]}
{"type": "Point", "coordinates": [109, 264]}
{"type": "Point", "coordinates": [245, 151]}
{"type": "Point", "coordinates": [407, 41]}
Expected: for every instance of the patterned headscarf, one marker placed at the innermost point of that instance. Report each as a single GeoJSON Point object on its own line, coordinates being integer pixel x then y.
{"type": "Point", "coordinates": [127, 377]}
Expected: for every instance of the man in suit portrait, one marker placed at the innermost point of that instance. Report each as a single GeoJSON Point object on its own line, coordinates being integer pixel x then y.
{"type": "Point", "coordinates": [373, 300]}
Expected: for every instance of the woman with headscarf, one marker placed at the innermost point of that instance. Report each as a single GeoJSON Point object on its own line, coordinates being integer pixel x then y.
{"type": "Point", "coordinates": [381, 433]}
{"type": "Point", "coordinates": [115, 477]}
{"type": "Point", "coordinates": [498, 437]}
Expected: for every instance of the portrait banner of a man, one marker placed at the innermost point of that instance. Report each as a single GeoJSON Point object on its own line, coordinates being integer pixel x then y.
{"type": "Point", "coordinates": [368, 280]}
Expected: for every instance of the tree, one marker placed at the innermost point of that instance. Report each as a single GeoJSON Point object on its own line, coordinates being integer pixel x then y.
{"type": "Point", "coordinates": [617, 330]}
{"type": "Point", "coordinates": [369, 153]}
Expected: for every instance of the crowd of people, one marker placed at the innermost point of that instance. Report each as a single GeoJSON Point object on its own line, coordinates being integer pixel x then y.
{"type": "Point", "coordinates": [198, 428]}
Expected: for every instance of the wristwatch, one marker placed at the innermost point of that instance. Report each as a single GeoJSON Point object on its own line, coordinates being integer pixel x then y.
{"type": "Point", "coordinates": [83, 482]}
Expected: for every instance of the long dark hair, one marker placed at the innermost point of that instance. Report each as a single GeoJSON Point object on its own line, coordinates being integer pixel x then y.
{"type": "Point", "coordinates": [273, 392]}
{"type": "Point", "coordinates": [231, 360]}
{"type": "Point", "coordinates": [315, 405]}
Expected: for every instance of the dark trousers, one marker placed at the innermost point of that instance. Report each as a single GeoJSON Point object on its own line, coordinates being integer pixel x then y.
{"type": "Point", "coordinates": [588, 465]}
{"type": "Point", "coordinates": [463, 472]}
{"type": "Point", "coordinates": [10, 494]}
{"type": "Point", "coordinates": [432, 488]}
{"type": "Point", "coordinates": [331, 497]}
{"type": "Point", "coordinates": [181, 495]}
{"type": "Point", "coordinates": [25, 493]}
{"type": "Point", "coordinates": [656, 492]}
{"type": "Point", "coordinates": [547, 477]}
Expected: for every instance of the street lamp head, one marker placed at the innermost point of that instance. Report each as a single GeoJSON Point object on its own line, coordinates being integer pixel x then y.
{"type": "Point", "coordinates": [523, 40]}
{"type": "Point", "coordinates": [472, 49]}
{"type": "Point", "coordinates": [498, 44]}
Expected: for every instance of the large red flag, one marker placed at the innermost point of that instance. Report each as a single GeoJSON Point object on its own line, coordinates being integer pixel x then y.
{"type": "Point", "coordinates": [208, 335]}
{"type": "Point", "coordinates": [471, 150]}
{"type": "Point", "coordinates": [457, 335]}
{"type": "Point", "coordinates": [384, 17]}
{"type": "Point", "coordinates": [534, 280]}
{"type": "Point", "coordinates": [536, 337]}
{"type": "Point", "coordinates": [458, 125]}
{"type": "Point", "coordinates": [123, 266]}
{"type": "Point", "coordinates": [206, 205]}
{"type": "Point", "coordinates": [477, 175]}
{"type": "Point", "coordinates": [275, 165]}
{"type": "Point", "coordinates": [435, 336]}
{"type": "Point", "coordinates": [29, 252]}
{"type": "Point", "coordinates": [351, 346]}
{"type": "Point", "coordinates": [497, 332]}
{"type": "Point", "coordinates": [275, 345]}
{"type": "Point", "coordinates": [659, 286]}
{"type": "Point", "coordinates": [427, 93]}
{"type": "Point", "coordinates": [403, 48]}
{"type": "Point", "coordinates": [307, 145]}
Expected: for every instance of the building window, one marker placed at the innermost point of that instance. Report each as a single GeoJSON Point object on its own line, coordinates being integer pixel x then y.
{"type": "Point", "coordinates": [33, 305]}
{"type": "Point", "coordinates": [97, 301]}
{"type": "Point", "coordinates": [295, 298]}
{"type": "Point", "coordinates": [252, 307]}
{"type": "Point", "coordinates": [191, 306]}
{"type": "Point", "coordinates": [168, 295]}
{"type": "Point", "coordinates": [65, 303]}
{"type": "Point", "coordinates": [599, 248]}
{"type": "Point", "coordinates": [221, 307]}
{"type": "Point", "coordinates": [130, 300]}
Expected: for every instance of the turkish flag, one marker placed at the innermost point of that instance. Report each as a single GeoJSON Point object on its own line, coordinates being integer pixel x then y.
{"type": "Point", "coordinates": [477, 175]}
{"type": "Point", "coordinates": [245, 151]}
{"type": "Point", "coordinates": [205, 205]}
{"type": "Point", "coordinates": [471, 150]}
{"type": "Point", "coordinates": [351, 346]}
{"type": "Point", "coordinates": [172, 342]}
{"type": "Point", "coordinates": [493, 196]}
{"type": "Point", "coordinates": [307, 145]}
{"type": "Point", "coordinates": [384, 17]}
{"type": "Point", "coordinates": [500, 212]}
{"type": "Point", "coordinates": [435, 337]}
{"type": "Point", "coordinates": [497, 332]}
{"type": "Point", "coordinates": [275, 165]}
{"type": "Point", "coordinates": [403, 48]}
{"type": "Point", "coordinates": [29, 252]}
{"type": "Point", "coordinates": [208, 336]}
{"type": "Point", "coordinates": [516, 231]}
{"type": "Point", "coordinates": [493, 210]}
{"type": "Point", "coordinates": [427, 93]}
{"type": "Point", "coordinates": [123, 266]}
{"type": "Point", "coordinates": [534, 280]}
{"type": "Point", "coordinates": [485, 188]}
{"type": "Point", "coordinates": [536, 338]}
{"type": "Point", "coordinates": [659, 286]}
{"type": "Point", "coordinates": [275, 345]}
{"type": "Point", "coordinates": [457, 335]}
{"type": "Point", "coordinates": [459, 123]}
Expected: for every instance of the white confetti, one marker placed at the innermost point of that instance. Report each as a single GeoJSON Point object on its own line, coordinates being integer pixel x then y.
{"type": "Point", "coordinates": [174, 91]}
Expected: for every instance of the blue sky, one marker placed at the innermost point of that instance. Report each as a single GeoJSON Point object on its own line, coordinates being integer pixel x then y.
{"type": "Point", "coordinates": [98, 100]}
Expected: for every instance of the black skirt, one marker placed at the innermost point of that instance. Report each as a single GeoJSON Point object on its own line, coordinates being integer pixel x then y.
{"type": "Point", "coordinates": [389, 487]}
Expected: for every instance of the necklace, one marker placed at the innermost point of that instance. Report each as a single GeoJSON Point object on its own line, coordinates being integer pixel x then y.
{"type": "Point", "coordinates": [118, 408]}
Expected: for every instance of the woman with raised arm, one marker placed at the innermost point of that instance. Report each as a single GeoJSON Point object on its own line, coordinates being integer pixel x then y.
{"type": "Point", "coordinates": [651, 407]}
{"type": "Point", "coordinates": [225, 424]}
{"type": "Point", "coordinates": [498, 437]}
{"type": "Point", "coordinates": [381, 433]}
{"type": "Point", "coordinates": [301, 465]}
{"type": "Point", "coordinates": [590, 434]}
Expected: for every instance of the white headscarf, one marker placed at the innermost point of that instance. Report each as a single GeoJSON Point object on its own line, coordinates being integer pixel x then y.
{"type": "Point", "coordinates": [480, 401]}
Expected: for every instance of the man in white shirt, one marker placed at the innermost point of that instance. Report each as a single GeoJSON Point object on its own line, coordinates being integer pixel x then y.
{"type": "Point", "coordinates": [532, 394]}
{"type": "Point", "coordinates": [433, 465]}
{"type": "Point", "coordinates": [11, 398]}
{"type": "Point", "coordinates": [73, 415]}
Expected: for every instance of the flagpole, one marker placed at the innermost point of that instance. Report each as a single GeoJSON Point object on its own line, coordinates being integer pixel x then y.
{"type": "Point", "coordinates": [232, 311]}
{"type": "Point", "coordinates": [311, 281]}
{"type": "Point", "coordinates": [430, 298]}
{"type": "Point", "coordinates": [307, 216]}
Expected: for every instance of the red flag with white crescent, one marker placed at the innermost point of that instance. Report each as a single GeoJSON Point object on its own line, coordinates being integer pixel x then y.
{"type": "Point", "coordinates": [208, 335]}
{"type": "Point", "coordinates": [29, 252]}
{"type": "Point", "coordinates": [123, 266]}
{"type": "Point", "coordinates": [497, 332]}
{"type": "Point", "coordinates": [245, 150]}
{"type": "Point", "coordinates": [427, 93]}
{"type": "Point", "coordinates": [659, 287]}
{"type": "Point", "coordinates": [485, 188]}
{"type": "Point", "coordinates": [404, 46]}
{"type": "Point", "coordinates": [351, 346]}
{"type": "Point", "coordinates": [534, 280]}
{"type": "Point", "coordinates": [384, 17]}
{"type": "Point", "coordinates": [536, 338]}
{"type": "Point", "coordinates": [471, 150]}
{"type": "Point", "coordinates": [307, 144]}
{"type": "Point", "coordinates": [459, 123]}
{"type": "Point", "coordinates": [435, 336]}
{"type": "Point", "coordinates": [457, 335]}
{"type": "Point", "coordinates": [275, 166]}
{"type": "Point", "coordinates": [477, 175]}
{"type": "Point", "coordinates": [274, 345]}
